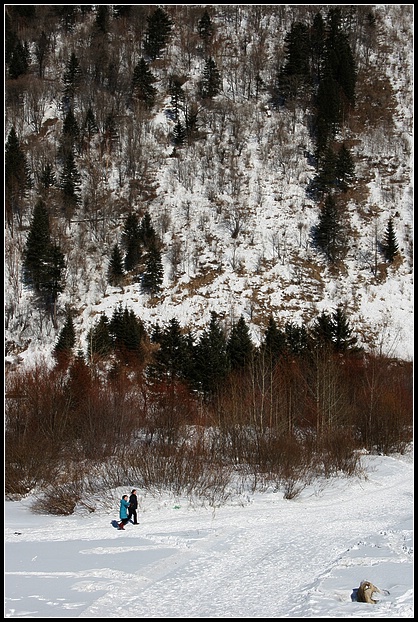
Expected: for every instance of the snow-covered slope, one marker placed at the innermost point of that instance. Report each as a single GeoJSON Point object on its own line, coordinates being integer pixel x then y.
{"type": "Point", "coordinates": [249, 170]}
{"type": "Point", "coordinates": [258, 556]}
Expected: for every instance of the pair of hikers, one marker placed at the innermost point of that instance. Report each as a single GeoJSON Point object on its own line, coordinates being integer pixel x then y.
{"type": "Point", "coordinates": [128, 509]}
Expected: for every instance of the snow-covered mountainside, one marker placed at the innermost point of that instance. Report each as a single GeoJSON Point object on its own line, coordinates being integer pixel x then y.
{"type": "Point", "coordinates": [231, 205]}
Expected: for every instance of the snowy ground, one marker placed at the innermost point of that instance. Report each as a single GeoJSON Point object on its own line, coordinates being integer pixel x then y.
{"type": "Point", "coordinates": [259, 557]}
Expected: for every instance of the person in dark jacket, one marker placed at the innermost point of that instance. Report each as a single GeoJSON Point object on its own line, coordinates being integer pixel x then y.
{"type": "Point", "coordinates": [133, 506]}
{"type": "Point", "coordinates": [123, 511]}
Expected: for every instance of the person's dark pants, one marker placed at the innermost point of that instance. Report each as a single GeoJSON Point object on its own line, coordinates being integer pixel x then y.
{"type": "Point", "coordinates": [132, 513]}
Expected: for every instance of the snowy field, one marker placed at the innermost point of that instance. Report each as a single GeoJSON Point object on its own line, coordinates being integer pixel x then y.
{"type": "Point", "coordinates": [259, 556]}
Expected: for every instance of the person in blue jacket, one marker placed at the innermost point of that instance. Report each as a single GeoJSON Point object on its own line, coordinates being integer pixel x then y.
{"type": "Point", "coordinates": [123, 511]}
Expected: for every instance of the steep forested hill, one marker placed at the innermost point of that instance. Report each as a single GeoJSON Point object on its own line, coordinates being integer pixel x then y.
{"type": "Point", "coordinates": [208, 246]}
{"type": "Point", "coordinates": [175, 161]}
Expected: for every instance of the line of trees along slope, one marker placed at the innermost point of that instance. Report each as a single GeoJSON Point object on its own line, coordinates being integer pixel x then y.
{"type": "Point", "coordinates": [299, 406]}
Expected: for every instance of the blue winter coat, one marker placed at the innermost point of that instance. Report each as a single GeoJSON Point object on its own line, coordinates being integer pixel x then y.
{"type": "Point", "coordinates": [123, 512]}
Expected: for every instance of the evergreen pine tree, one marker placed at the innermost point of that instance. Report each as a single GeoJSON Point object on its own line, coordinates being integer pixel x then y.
{"type": "Point", "coordinates": [70, 133]}
{"type": "Point", "coordinates": [210, 84]}
{"type": "Point", "coordinates": [274, 341]}
{"type": "Point", "coordinates": [66, 340]}
{"type": "Point", "coordinates": [156, 333]}
{"type": "Point", "coordinates": [43, 263]}
{"type": "Point", "coordinates": [334, 330]}
{"type": "Point", "coordinates": [153, 274]}
{"type": "Point", "coordinates": [390, 245]}
{"type": "Point", "coordinates": [128, 333]}
{"type": "Point", "coordinates": [329, 235]}
{"type": "Point", "coordinates": [342, 332]}
{"type": "Point", "coordinates": [133, 255]}
{"type": "Point", "coordinates": [347, 72]}
{"type": "Point", "coordinates": [179, 134]}
{"type": "Point", "coordinates": [72, 79]}
{"type": "Point", "coordinates": [37, 247]}
{"type": "Point", "coordinates": [169, 360]}
{"type": "Point", "coordinates": [339, 57]}
{"type": "Point", "coordinates": [142, 84]}
{"type": "Point", "coordinates": [336, 90]}
{"type": "Point", "coordinates": [323, 330]}
{"type": "Point", "coordinates": [133, 333]}
{"type": "Point", "coordinates": [116, 325]}
{"type": "Point", "coordinates": [115, 272]}
{"type": "Point", "coordinates": [147, 232]}
{"type": "Point", "coordinates": [211, 358]}
{"type": "Point", "coordinates": [344, 169]}
{"type": "Point", "coordinates": [205, 28]}
{"type": "Point", "coordinates": [328, 111]}
{"type": "Point", "coordinates": [54, 265]}
{"type": "Point", "coordinates": [16, 176]}
{"type": "Point", "coordinates": [294, 76]}
{"type": "Point", "coordinates": [99, 341]}
{"type": "Point", "coordinates": [157, 33]}
{"type": "Point", "coordinates": [70, 126]}
{"type": "Point", "coordinates": [19, 62]}
{"type": "Point", "coordinates": [131, 242]}
{"type": "Point", "coordinates": [325, 179]}
{"type": "Point", "coordinates": [70, 185]}
{"type": "Point", "coordinates": [323, 135]}
{"type": "Point", "coordinates": [131, 229]}
{"type": "Point", "coordinates": [297, 338]}
{"type": "Point", "coordinates": [240, 348]}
